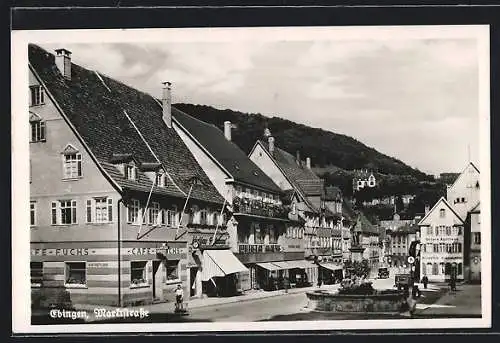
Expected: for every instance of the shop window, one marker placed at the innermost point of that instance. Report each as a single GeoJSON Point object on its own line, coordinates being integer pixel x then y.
{"type": "Point", "coordinates": [37, 94]}
{"type": "Point", "coordinates": [459, 271]}
{"type": "Point", "coordinates": [172, 268]}
{"type": "Point", "coordinates": [32, 213]}
{"type": "Point", "coordinates": [447, 269]}
{"type": "Point", "coordinates": [138, 273]}
{"type": "Point", "coordinates": [72, 163]}
{"type": "Point", "coordinates": [301, 233]}
{"type": "Point", "coordinates": [36, 273]}
{"type": "Point", "coordinates": [428, 269]}
{"type": "Point", "coordinates": [64, 212]}
{"type": "Point", "coordinates": [441, 268]}
{"type": "Point", "coordinates": [133, 212]}
{"type": "Point", "coordinates": [154, 214]}
{"type": "Point", "coordinates": [76, 274]}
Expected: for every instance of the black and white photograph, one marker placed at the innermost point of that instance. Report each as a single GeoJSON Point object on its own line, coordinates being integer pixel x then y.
{"type": "Point", "coordinates": [251, 178]}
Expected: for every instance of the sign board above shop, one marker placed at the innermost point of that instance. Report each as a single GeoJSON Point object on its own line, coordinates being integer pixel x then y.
{"type": "Point", "coordinates": [204, 239]}
{"type": "Point", "coordinates": [106, 251]}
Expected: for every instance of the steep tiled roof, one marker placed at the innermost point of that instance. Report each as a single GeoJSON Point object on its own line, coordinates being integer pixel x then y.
{"type": "Point", "coordinates": [104, 112]}
{"type": "Point", "coordinates": [304, 180]}
{"type": "Point", "coordinates": [227, 153]}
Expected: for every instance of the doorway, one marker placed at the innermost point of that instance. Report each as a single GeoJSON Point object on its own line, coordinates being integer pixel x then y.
{"type": "Point", "coordinates": [158, 272]}
{"type": "Point", "coordinates": [192, 284]}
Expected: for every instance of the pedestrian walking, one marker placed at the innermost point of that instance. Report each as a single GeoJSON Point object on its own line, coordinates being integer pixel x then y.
{"type": "Point", "coordinates": [425, 281]}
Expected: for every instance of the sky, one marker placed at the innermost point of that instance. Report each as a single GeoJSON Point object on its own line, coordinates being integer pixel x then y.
{"type": "Point", "coordinates": [413, 99]}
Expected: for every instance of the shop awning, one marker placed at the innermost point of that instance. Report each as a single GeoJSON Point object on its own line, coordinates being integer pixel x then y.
{"type": "Point", "coordinates": [302, 264]}
{"type": "Point", "coordinates": [282, 264]}
{"type": "Point", "coordinates": [269, 266]}
{"type": "Point", "coordinates": [331, 266]}
{"type": "Point", "coordinates": [220, 263]}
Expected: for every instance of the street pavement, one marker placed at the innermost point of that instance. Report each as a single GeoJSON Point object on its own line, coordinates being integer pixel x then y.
{"type": "Point", "coordinates": [436, 301]}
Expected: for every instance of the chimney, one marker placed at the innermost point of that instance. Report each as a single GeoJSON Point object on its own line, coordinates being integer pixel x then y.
{"type": "Point", "coordinates": [63, 62]}
{"type": "Point", "coordinates": [297, 158]}
{"type": "Point", "coordinates": [166, 102]}
{"type": "Point", "coordinates": [271, 145]}
{"type": "Point", "coordinates": [308, 163]}
{"type": "Point", "coordinates": [227, 130]}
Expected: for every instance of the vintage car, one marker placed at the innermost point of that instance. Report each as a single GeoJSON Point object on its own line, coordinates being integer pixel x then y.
{"type": "Point", "coordinates": [383, 273]}
{"type": "Point", "coordinates": [402, 280]}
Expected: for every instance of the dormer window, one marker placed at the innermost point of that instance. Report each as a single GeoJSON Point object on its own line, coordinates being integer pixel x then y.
{"type": "Point", "coordinates": [37, 95]}
{"type": "Point", "coordinates": [37, 128]}
{"type": "Point", "coordinates": [160, 179]}
{"type": "Point", "coordinates": [130, 172]}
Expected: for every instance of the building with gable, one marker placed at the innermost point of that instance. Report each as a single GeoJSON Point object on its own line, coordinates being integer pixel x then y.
{"type": "Point", "coordinates": [442, 243]}
{"type": "Point", "coordinates": [464, 193]}
{"type": "Point", "coordinates": [321, 210]}
{"type": "Point", "coordinates": [472, 258]}
{"type": "Point", "coordinates": [113, 212]}
{"type": "Point", "coordinates": [265, 233]}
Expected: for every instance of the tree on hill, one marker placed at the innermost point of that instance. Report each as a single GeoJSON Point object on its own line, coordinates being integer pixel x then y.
{"type": "Point", "coordinates": [323, 147]}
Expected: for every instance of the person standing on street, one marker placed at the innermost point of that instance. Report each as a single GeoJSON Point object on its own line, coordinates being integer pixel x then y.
{"type": "Point", "coordinates": [179, 297]}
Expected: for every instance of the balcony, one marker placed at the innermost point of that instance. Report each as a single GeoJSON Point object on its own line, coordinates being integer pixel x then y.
{"type": "Point", "coordinates": [260, 208]}
{"type": "Point", "coordinates": [258, 248]}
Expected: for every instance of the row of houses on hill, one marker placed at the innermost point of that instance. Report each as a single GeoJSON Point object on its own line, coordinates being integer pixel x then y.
{"type": "Point", "coordinates": [130, 197]}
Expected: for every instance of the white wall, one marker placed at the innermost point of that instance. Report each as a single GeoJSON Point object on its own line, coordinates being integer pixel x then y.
{"type": "Point", "coordinates": [264, 162]}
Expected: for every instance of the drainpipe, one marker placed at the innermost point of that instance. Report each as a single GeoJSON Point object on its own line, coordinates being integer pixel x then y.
{"type": "Point", "coordinates": [119, 255]}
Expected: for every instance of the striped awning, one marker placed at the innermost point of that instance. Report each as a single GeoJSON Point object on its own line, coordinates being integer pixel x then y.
{"type": "Point", "coordinates": [269, 266]}
{"type": "Point", "coordinates": [331, 266]}
{"type": "Point", "coordinates": [220, 263]}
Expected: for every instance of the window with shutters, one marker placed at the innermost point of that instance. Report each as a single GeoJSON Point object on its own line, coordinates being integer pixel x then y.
{"type": "Point", "coordinates": [63, 212]}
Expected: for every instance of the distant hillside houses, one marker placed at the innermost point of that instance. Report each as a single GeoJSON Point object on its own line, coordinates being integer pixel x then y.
{"type": "Point", "coordinates": [390, 200]}
{"type": "Point", "coordinates": [363, 179]}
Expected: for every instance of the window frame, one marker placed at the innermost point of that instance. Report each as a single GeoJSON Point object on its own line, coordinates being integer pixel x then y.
{"type": "Point", "coordinates": [154, 212]}
{"type": "Point", "coordinates": [442, 213]}
{"type": "Point", "coordinates": [67, 165]}
{"type": "Point", "coordinates": [33, 216]}
{"type": "Point", "coordinates": [130, 171]}
{"type": "Point", "coordinates": [37, 95]}
{"type": "Point", "coordinates": [144, 279]}
{"type": "Point", "coordinates": [178, 276]}
{"type": "Point", "coordinates": [104, 204]}
{"type": "Point", "coordinates": [39, 127]}
{"type": "Point", "coordinates": [67, 270]}
{"type": "Point", "coordinates": [134, 205]}
{"type": "Point", "coordinates": [57, 212]}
